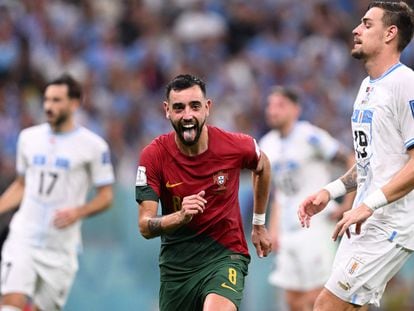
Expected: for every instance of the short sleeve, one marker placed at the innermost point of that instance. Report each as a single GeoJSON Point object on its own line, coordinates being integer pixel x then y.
{"type": "Point", "coordinates": [101, 167]}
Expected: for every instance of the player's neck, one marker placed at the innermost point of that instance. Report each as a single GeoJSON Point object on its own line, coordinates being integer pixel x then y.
{"type": "Point", "coordinates": [287, 129]}
{"type": "Point", "coordinates": [379, 65]}
{"type": "Point", "coordinates": [65, 127]}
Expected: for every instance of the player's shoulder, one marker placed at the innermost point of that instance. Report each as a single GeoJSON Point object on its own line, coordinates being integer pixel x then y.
{"type": "Point", "coordinates": [214, 131]}
{"type": "Point", "coordinates": [35, 131]}
{"type": "Point", "coordinates": [307, 129]}
{"type": "Point", "coordinates": [160, 144]}
{"type": "Point", "coordinates": [401, 75]}
{"type": "Point", "coordinates": [88, 139]}
{"type": "Point", "coordinates": [269, 138]}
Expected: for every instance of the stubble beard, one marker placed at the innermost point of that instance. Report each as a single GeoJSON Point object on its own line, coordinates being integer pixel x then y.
{"type": "Point", "coordinates": [59, 121]}
{"type": "Point", "coordinates": [179, 131]}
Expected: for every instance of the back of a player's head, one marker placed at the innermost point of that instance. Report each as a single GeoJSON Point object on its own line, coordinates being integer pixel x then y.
{"type": "Point", "coordinates": [287, 92]}
{"type": "Point", "coordinates": [74, 88]}
{"type": "Point", "coordinates": [400, 14]}
{"type": "Point", "coordinates": [184, 81]}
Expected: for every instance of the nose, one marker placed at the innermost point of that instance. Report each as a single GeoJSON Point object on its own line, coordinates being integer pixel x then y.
{"type": "Point", "coordinates": [355, 31]}
{"type": "Point", "coordinates": [188, 113]}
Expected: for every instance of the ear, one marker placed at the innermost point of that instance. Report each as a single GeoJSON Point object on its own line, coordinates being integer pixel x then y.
{"type": "Point", "coordinates": [75, 103]}
{"type": "Point", "coordinates": [391, 33]}
{"type": "Point", "coordinates": [208, 106]}
{"type": "Point", "coordinates": [167, 110]}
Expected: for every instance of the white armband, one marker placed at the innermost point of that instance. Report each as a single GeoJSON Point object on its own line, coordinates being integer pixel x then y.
{"type": "Point", "coordinates": [259, 219]}
{"type": "Point", "coordinates": [375, 200]}
{"type": "Point", "coordinates": [336, 189]}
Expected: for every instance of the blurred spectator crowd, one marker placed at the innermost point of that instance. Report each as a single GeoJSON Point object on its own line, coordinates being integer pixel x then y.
{"type": "Point", "coordinates": [124, 52]}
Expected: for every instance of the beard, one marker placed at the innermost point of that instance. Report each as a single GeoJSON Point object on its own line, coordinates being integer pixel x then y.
{"type": "Point", "coordinates": [188, 136]}
{"type": "Point", "coordinates": [57, 120]}
{"type": "Point", "coordinates": [357, 54]}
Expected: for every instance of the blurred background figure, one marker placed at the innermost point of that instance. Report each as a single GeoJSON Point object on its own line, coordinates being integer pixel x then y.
{"type": "Point", "coordinates": [302, 158]}
{"type": "Point", "coordinates": [124, 52]}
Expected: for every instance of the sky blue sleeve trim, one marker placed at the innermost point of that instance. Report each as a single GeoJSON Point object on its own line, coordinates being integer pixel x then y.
{"type": "Point", "coordinates": [104, 182]}
{"type": "Point", "coordinates": [409, 144]}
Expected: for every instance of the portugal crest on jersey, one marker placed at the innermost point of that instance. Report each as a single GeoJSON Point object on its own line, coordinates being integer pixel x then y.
{"type": "Point", "coordinates": [220, 179]}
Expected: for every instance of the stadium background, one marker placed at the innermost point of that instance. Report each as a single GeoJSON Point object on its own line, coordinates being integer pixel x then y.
{"type": "Point", "coordinates": [124, 52]}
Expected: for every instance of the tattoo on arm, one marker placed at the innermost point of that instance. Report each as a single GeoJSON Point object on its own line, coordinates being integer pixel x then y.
{"type": "Point", "coordinates": [154, 226]}
{"type": "Point", "coordinates": [350, 179]}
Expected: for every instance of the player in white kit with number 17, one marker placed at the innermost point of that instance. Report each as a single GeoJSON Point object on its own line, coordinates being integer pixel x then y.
{"type": "Point", "coordinates": [380, 227]}
{"type": "Point", "coordinates": [57, 163]}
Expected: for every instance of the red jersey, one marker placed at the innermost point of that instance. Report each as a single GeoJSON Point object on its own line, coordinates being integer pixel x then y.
{"type": "Point", "coordinates": [173, 175]}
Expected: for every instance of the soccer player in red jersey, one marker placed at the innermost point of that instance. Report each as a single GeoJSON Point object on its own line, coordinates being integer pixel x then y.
{"type": "Point", "coordinates": [194, 171]}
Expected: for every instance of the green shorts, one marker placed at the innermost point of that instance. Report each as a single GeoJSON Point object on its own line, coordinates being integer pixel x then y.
{"type": "Point", "coordinates": [224, 277]}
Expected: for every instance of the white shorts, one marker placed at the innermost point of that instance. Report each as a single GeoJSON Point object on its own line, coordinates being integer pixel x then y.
{"type": "Point", "coordinates": [44, 275]}
{"type": "Point", "coordinates": [304, 260]}
{"type": "Point", "coordinates": [364, 264]}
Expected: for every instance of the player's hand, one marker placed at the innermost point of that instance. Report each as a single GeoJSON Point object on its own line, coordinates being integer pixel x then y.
{"type": "Point", "coordinates": [65, 217]}
{"type": "Point", "coordinates": [355, 216]}
{"type": "Point", "coordinates": [192, 205]}
{"type": "Point", "coordinates": [261, 240]}
{"type": "Point", "coordinates": [311, 206]}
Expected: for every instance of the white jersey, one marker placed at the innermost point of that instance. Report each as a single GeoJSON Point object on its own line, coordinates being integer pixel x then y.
{"type": "Point", "coordinates": [59, 170]}
{"type": "Point", "coordinates": [383, 130]}
{"type": "Point", "coordinates": [300, 166]}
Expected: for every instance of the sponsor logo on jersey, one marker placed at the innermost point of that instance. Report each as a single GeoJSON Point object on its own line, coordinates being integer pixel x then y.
{"type": "Point", "coordinates": [224, 285]}
{"type": "Point", "coordinates": [368, 91]}
{"type": "Point", "coordinates": [345, 286]}
{"type": "Point", "coordinates": [168, 185]}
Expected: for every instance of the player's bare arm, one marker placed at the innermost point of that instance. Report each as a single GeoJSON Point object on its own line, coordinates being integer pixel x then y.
{"type": "Point", "coordinates": [350, 179]}
{"type": "Point", "coordinates": [13, 195]}
{"type": "Point", "coordinates": [261, 187]}
{"type": "Point", "coordinates": [152, 225]}
{"type": "Point", "coordinates": [102, 200]}
{"type": "Point", "coordinates": [316, 202]}
{"type": "Point", "coordinates": [400, 185]}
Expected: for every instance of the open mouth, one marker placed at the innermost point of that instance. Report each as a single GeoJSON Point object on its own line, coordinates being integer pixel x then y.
{"type": "Point", "coordinates": [189, 132]}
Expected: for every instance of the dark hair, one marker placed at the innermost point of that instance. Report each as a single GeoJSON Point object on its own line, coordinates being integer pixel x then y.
{"type": "Point", "coordinates": [287, 92]}
{"type": "Point", "coordinates": [400, 14]}
{"type": "Point", "coordinates": [184, 81]}
{"type": "Point", "coordinates": [74, 88]}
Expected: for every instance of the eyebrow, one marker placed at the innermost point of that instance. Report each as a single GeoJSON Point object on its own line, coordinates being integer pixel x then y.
{"type": "Point", "coordinates": [366, 19]}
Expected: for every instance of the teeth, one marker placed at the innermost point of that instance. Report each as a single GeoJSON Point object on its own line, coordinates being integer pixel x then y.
{"type": "Point", "coordinates": [188, 126]}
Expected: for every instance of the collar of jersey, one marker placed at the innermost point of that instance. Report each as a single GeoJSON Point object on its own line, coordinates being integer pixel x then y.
{"type": "Point", "coordinates": [393, 67]}
{"type": "Point", "coordinates": [62, 134]}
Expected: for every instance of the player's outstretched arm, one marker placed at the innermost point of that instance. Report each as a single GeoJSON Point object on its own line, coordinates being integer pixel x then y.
{"type": "Point", "coordinates": [261, 189]}
{"type": "Point", "coordinates": [318, 201]}
{"type": "Point", "coordinates": [13, 195]}
{"type": "Point", "coordinates": [151, 225]}
{"type": "Point", "coordinates": [400, 185]}
{"type": "Point", "coordinates": [312, 205]}
{"type": "Point", "coordinates": [101, 201]}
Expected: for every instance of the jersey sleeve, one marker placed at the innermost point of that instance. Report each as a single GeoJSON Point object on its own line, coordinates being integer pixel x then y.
{"type": "Point", "coordinates": [21, 161]}
{"type": "Point", "coordinates": [148, 180]}
{"type": "Point", "coordinates": [101, 166]}
{"type": "Point", "coordinates": [250, 150]}
{"type": "Point", "coordinates": [405, 112]}
{"type": "Point", "coordinates": [323, 142]}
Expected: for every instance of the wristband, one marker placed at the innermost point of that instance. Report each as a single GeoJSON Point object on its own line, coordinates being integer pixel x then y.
{"type": "Point", "coordinates": [259, 219]}
{"type": "Point", "coordinates": [375, 200]}
{"type": "Point", "coordinates": [336, 189]}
